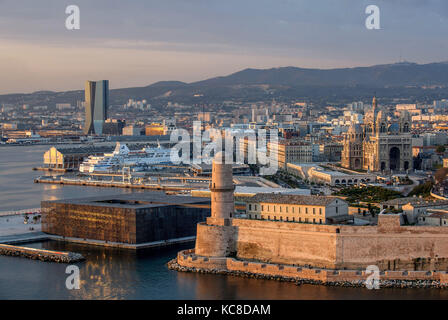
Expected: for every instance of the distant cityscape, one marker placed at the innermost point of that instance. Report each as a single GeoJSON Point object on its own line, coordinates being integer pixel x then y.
{"type": "Point", "coordinates": [346, 181]}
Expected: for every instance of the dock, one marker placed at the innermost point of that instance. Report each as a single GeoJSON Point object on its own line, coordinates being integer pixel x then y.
{"type": "Point", "coordinates": [53, 169]}
{"type": "Point", "coordinates": [120, 184]}
{"type": "Point", "coordinates": [40, 254]}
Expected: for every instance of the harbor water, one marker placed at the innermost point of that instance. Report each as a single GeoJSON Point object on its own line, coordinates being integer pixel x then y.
{"type": "Point", "coordinates": [125, 274]}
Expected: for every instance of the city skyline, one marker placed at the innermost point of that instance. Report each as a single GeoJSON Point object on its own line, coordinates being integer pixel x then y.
{"type": "Point", "coordinates": [38, 52]}
{"type": "Point", "coordinates": [96, 104]}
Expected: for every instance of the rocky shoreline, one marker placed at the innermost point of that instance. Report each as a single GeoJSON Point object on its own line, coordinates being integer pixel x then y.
{"type": "Point", "coordinates": [70, 257]}
{"type": "Point", "coordinates": [173, 265]}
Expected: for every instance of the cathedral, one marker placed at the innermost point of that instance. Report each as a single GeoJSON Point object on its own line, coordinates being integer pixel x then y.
{"type": "Point", "coordinates": [379, 145]}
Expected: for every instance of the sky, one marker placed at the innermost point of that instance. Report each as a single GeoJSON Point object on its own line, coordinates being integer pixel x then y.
{"type": "Point", "coordinates": [139, 42]}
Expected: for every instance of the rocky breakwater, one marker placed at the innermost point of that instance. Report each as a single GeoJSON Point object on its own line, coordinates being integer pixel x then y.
{"type": "Point", "coordinates": [40, 254]}
{"type": "Point", "coordinates": [383, 283]}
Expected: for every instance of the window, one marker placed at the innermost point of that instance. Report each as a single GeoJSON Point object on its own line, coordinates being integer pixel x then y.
{"type": "Point", "coordinates": [280, 208]}
{"type": "Point", "coordinates": [250, 207]}
{"type": "Point", "coordinates": [262, 207]}
{"type": "Point", "coordinates": [274, 208]}
{"type": "Point", "coordinates": [306, 210]}
{"type": "Point", "coordinates": [255, 207]}
{"type": "Point", "coordinates": [286, 209]}
{"type": "Point", "coordinates": [314, 220]}
{"type": "Point", "coordinates": [292, 209]}
{"type": "Point", "coordinates": [300, 219]}
{"type": "Point", "coordinates": [337, 209]}
{"type": "Point", "coordinates": [314, 210]}
{"type": "Point", "coordinates": [320, 221]}
{"type": "Point", "coordinates": [300, 210]}
{"type": "Point", "coordinates": [320, 210]}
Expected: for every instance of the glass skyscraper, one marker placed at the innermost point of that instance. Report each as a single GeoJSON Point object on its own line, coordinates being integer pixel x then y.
{"type": "Point", "coordinates": [97, 102]}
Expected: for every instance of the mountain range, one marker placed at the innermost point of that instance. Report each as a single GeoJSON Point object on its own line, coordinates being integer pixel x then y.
{"type": "Point", "coordinates": [404, 79]}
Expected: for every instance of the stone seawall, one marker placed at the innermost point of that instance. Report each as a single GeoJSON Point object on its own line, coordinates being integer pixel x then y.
{"type": "Point", "coordinates": [40, 254]}
{"type": "Point", "coordinates": [187, 261]}
{"type": "Point", "coordinates": [388, 245]}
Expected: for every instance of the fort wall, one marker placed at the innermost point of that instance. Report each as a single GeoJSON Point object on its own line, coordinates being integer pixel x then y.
{"type": "Point", "coordinates": [389, 246]}
{"type": "Point", "coordinates": [190, 260]}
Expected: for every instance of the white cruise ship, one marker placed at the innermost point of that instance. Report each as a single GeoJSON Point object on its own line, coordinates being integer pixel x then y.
{"type": "Point", "coordinates": [123, 157]}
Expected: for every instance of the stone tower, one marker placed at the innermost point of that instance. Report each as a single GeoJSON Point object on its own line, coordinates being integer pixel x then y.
{"type": "Point", "coordinates": [216, 237]}
{"type": "Point", "coordinates": [352, 154]}
{"type": "Point", "coordinates": [222, 188]}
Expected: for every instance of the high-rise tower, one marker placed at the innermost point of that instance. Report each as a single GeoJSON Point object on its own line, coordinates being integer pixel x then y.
{"type": "Point", "coordinates": [97, 102]}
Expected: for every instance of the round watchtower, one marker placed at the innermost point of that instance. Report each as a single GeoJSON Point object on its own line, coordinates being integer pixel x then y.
{"type": "Point", "coordinates": [222, 188]}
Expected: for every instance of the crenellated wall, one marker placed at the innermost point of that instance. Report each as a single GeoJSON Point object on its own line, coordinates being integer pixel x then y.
{"type": "Point", "coordinates": [388, 245]}
{"type": "Point", "coordinates": [287, 243]}
{"type": "Point", "coordinates": [227, 265]}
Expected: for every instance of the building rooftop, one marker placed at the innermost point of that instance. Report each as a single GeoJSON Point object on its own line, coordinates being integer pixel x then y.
{"type": "Point", "coordinates": [402, 201]}
{"type": "Point", "coordinates": [293, 199]}
{"type": "Point", "coordinates": [135, 201]}
{"type": "Point", "coordinates": [443, 215]}
{"type": "Point", "coordinates": [430, 203]}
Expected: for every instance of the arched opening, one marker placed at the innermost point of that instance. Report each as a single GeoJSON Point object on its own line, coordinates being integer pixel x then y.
{"type": "Point", "coordinates": [337, 181]}
{"type": "Point", "coordinates": [350, 182]}
{"type": "Point", "coordinates": [357, 164]}
{"type": "Point", "coordinates": [406, 127]}
{"type": "Point", "coordinates": [383, 166]}
{"type": "Point", "coordinates": [406, 165]}
{"type": "Point", "coordinates": [343, 181]}
{"type": "Point", "coordinates": [394, 158]}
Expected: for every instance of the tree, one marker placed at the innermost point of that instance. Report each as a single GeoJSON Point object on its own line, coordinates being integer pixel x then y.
{"type": "Point", "coordinates": [441, 174]}
{"type": "Point", "coordinates": [440, 149]}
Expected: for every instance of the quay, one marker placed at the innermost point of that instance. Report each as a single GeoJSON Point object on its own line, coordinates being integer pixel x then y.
{"type": "Point", "coordinates": [47, 169]}
{"type": "Point", "coordinates": [19, 212]}
{"type": "Point", "coordinates": [115, 184]}
{"type": "Point", "coordinates": [40, 254]}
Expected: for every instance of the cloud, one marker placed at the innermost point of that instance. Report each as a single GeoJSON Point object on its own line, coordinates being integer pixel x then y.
{"type": "Point", "coordinates": [234, 33]}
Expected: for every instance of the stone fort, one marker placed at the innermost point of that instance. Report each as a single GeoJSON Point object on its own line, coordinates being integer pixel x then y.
{"type": "Point", "coordinates": [340, 252]}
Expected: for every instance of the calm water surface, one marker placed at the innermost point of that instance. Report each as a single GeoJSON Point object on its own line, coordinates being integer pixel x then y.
{"type": "Point", "coordinates": [125, 274]}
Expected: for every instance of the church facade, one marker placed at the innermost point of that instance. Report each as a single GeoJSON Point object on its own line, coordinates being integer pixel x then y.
{"type": "Point", "coordinates": [378, 145]}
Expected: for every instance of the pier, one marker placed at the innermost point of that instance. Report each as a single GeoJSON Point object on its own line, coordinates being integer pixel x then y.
{"type": "Point", "coordinates": [40, 254]}
{"type": "Point", "coordinates": [182, 186]}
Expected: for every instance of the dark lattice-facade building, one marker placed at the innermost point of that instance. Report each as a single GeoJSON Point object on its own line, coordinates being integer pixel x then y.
{"type": "Point", "coordinates": [131, 219]}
